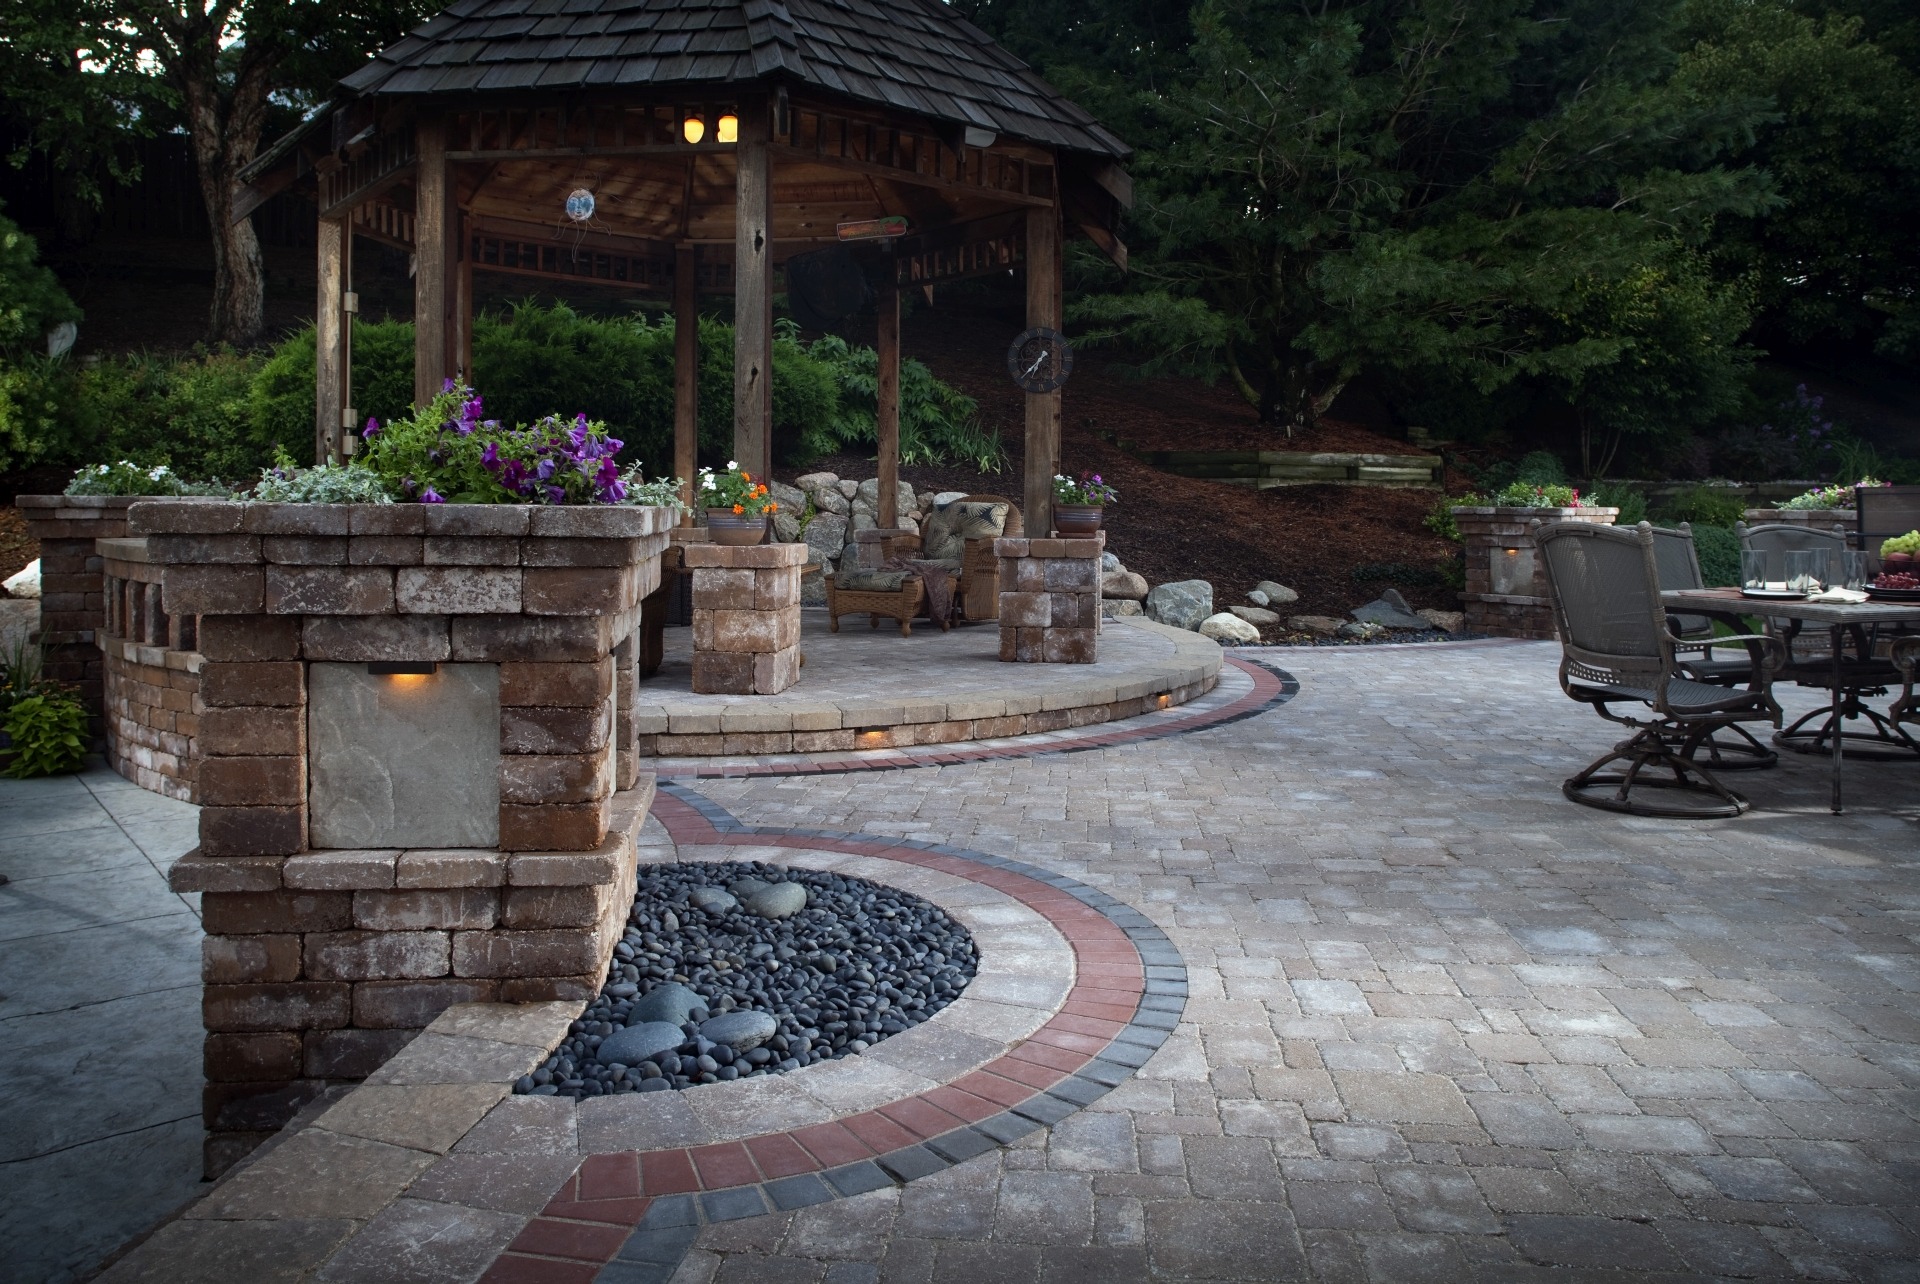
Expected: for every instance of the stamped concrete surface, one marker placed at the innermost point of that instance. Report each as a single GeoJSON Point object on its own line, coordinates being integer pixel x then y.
{"type": "Point", "coordinates": [99, 1021]}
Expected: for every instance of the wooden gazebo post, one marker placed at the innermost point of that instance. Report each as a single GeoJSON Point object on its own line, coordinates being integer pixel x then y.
{"type": "Point", "coordinates": [887, 398]}
{"type": "Point", "coordinates": [1043, 408]}
{"type": "Point", "coordinates": [332, 338]}
{"type": "Point", "coordinates": [686, 373]}
{"type": "Point", "coordinates": [753, 293]}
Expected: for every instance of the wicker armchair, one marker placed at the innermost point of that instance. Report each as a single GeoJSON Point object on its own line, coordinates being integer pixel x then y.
{"type": "Point", "coordinates": [876, 592]}
{"type": "Point", "coordinates": [1617, 650]}
{"type": "Point", "coordinates": [980, 567]}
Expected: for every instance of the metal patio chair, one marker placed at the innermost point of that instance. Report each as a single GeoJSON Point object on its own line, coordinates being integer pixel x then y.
{"type": "Point", "coordinates": [1617, 650]}
{"type": "Point", "coordinates": [1678, 563]}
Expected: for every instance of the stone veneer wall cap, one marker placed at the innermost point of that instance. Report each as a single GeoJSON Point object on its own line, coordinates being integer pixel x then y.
{"type": "Point", "coordinates": [753, 557]}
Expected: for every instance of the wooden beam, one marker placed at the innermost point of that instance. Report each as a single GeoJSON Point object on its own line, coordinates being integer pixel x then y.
{"type": "Point", "coordinates": [887, 345]}
{"type": "Point", "coordinates": [897, 174]}
{"type": "Point", "coordinates": [329, 324]}
{"type": "Point", "coordinates": [430, 265]}
{"type": "Point", "coordinates": [686, 373]}
{"type": "Point", "coordinates": [1043, 408]}
{"type": "Point", "coordinates": [460, 297]}
{"type": "Point", "coordinates": [753, 296]}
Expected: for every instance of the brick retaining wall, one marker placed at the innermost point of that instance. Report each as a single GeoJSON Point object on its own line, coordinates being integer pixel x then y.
{"type": "Point", "coordinates": [151, 675]}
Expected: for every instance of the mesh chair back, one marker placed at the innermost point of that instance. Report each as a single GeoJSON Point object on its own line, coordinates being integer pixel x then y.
{"type": "Point", "coordinates": [1606, 592]}
{"type": "Point", "coordinates": [1778, 540]}
{"type": "Point", "coordinates": [1884, 512]}
{"type": "Point", "coordinates": [1678, 565]}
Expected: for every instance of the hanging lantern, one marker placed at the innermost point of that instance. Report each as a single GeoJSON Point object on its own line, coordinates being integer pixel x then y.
{"type": "Point", "coordinates": [693, 129]}
{"type": "Point", "coordinates": [579, 205]}
{"type": "Point", "coordinates": [727, 129]}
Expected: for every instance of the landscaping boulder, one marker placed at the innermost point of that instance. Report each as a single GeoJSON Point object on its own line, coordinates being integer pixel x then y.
{"type": "Point", "coordinates": [1364, 630]}
{"type": "Point", "coordinates": [1445, 621]}
{"type": "Point", "coordinates": [1321, 626]}
{"type": "Point", "coordinates": [826, 535]}
{"type": "Point", "coordinates": [946, 497]}
{"type": "Point", "coordinates": [1229, 630]}
{"type": "Point", "coordinates": [778, 900]}
{"type": "Point", "coordinates": [1389, 610]}
{"type": "Point", "coordinates": [1258, 598]}
{"type": "Point", "coordinates": [671, 1003]}
{"type": "Point", "coordinates": [1183, 603]}
{"type": "Point", "coordinates": [817, 481]}
{"type": "Point", "coordinates": [1277, 594]}
{"type": "Point", "coordinates": [1123, 584]}
{"type": "Point", "coordinates": [848, 487]}
{"type": "Point", "coordinates": [26, 583]}
{"type": "Point", "coordinates": [1114, 608]}
{"type": "Point", "coordinates": [1109, 564]}
{"type": "Point", "coordinates": [637, 1043]}
{"type": "Point", "coordinates": [1256, 615]}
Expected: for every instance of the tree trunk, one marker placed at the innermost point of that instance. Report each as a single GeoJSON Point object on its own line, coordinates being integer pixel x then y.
{"type": "Point", "coordinates": [225, 133]}
{"type": "Point", "coordinates": [1298, 391]}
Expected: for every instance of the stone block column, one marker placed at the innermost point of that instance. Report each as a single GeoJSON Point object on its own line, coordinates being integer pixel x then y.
{"type": "Point", "coordinates": [746, 617]}
{"type": "Point", "coordinates": [152, 675]}
{"type": "Point", "coordinates": [407, 769]}
{"type": "Point", "coordinates": [73, 603]}
{"type": "Point", "coordinates": [1507, 593]}
{"type": "Point", "coordinates": [1050, 599]}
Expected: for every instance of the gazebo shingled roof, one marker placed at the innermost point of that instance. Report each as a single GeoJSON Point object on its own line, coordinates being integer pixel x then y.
{"type": "Point", "coordinates": [908, 55]}
{"type": "Point", "coordinates": [460, 142]}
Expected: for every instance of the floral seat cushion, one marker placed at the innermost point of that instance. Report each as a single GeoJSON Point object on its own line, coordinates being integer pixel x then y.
{"type": "Point", "coordinates": [870, 581]}
{"type": "Point", "coordinates": [949, 527]}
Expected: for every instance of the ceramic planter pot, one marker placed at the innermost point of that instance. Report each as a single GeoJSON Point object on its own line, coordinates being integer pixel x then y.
{"type": "Point", "coordinates": [736, 529]}
{"type": "Point", "coordinates": [1077, 520]}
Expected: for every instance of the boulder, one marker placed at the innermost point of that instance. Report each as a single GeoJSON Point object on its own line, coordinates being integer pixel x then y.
{"type": "Point", "coordinates": [1109, 564]}
{"type": "Point", "coordinates": [637, 1043]}
{"type": "Point", "coordinates": [1364, 630]}
{"type": "Point", "coordinates": [1230, 630]}
{"type": "Point", "coordinates": [1258, 598]}
{"type": "Point", "coordinates": [817, 481]}
{"type": "Point", "coordinates": [26, 583]}
{"type": "Point", "coordinates": [777, 900]}
{"type": "Point", "coordinates": [711, 899]}
{"type": "Point", "coordinates": [1123, 584]}
{"type": "Point", "coordinates": [1114, 608]}
{"type": "Point", "coordinates": [1256, 615]}
{"type": "Point", "coordinates": [1445, 621]}
{"type": "Point", "coordinates": [743, 1030]}
{"type": "Point", "coordinates": [786, 496]}
{"type": "Point", "coordinates": [670, 1003]}
{"type": "Point", "coordinates": [947, 497]}
{"type": "Point", "coordinates": [1389, 610]}
{"type": "Point", "coordinates": [786, 524]}
{"type": "Point", "coordinates": [1321, 626]}
{"type": "Point", "coordinates": [1183, 603]}
{"type": "Point", "coordinates": [1277, 594]}
{"type": "Point", "coordinates": [828, 499]}
{"type": "Point", "coordinates": [813, 590]}
{"type": "Point", "coordinates": [826, 535]}
{"type": "Point", "coordinates": [849, 488]}
{"type": "Point", "coordinates": [744, 888]}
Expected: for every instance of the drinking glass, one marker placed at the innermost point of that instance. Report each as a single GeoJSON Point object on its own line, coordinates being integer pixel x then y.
{"type": "Point", "coordinates": [1753, 569]}
{"type": "Point", "coordinates": [1803, 570]}
{"type": "Point", "coordinates": [1857, 573]}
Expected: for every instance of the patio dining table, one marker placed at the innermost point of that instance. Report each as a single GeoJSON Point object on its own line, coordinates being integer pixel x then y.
{"type": "Point", "coordinates": [1729, 605]}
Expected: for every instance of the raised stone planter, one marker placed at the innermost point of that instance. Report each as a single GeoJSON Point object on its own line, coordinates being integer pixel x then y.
{"type": "Point", "coordinates": [151, 675]}
{"type": "Point", "coordinates": [1825, 518]}
{"type": "Point", "coordinates": [412, 723]}
{"type": "Point", "coordinates": [1050, 599]}
{"type": "Point", "coordinates": [1507, 593]}
{"type": "Point", "coordinates": [746, 617]}
{"type": "Point", "coordinates": [72, 595]}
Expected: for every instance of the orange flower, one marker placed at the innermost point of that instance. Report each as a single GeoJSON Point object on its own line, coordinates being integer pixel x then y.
{"type": "Point", "coordinates": [761, 491]}
{"type": "Point", "coordinates": [739, 508]}
{"type": "Point", "coordinates": [746, 476]}
{"type": "Point", "coordinates": [771, 508]}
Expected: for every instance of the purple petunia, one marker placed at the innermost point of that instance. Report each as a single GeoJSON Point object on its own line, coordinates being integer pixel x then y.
{"type": "Point", "coordinates": [431, 496]}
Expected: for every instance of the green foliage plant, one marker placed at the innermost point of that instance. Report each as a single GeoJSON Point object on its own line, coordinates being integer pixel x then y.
{"type": "Point", "coordinates": [1630, 500]}
{"type": "Point", "coordinates": [1835, 496]}
{"type": "Point", "coordinates": [32, 300]}
{"type": "Point", "coordinates": [447, 453]}
{"type": "Point", "coordinates": [1525, 494]}
{"type": "Point", "coordinates": [1705, 505]}
{"type": "Point", "coordinates": [129, 478]}
{"type": "Point", "coordinates": [48, 729]}
{"type": "Point", "coordinates": [1718, 549]}
{"type": "Point", "coordinates": [288, 483]}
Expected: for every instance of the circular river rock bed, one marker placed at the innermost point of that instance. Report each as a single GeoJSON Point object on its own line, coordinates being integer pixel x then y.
{"type": "Point", "coordinates": [742, 968]}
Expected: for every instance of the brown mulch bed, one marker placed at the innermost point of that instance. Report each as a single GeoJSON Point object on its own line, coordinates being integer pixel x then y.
{"type": "Point", "coordinates": [17, 548]}
{"type": "Point", "coordinates": [1309, 538]}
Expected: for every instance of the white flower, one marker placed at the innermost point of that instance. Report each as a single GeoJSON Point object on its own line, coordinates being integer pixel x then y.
{"type": "Point", "coordinates": [732, 464]}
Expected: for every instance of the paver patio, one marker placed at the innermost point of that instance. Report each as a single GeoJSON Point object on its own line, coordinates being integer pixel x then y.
{"type": "Point", "coordinates": [1442, 1023]}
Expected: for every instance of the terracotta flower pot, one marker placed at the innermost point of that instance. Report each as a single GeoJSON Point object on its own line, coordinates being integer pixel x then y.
{"type": "Point", "coordinates": [1077, 520]}
{"type": "Point", "coordinates": [736, 529]}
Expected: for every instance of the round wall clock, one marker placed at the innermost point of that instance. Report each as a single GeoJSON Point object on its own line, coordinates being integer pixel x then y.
{"type": "Point", "coordinates": [1040, 359]}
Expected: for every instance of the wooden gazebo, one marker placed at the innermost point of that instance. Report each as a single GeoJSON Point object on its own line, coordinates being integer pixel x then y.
{"type": "Point", "coordinates": [717, 139]}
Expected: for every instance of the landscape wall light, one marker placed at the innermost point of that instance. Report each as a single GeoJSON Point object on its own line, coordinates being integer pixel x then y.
{"type": "Point", "coordinates": [402, 668]}
{"type": "Point", "coordinates": [727, 129]}
{"type": "Point", "coordinates": [693, 129]}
